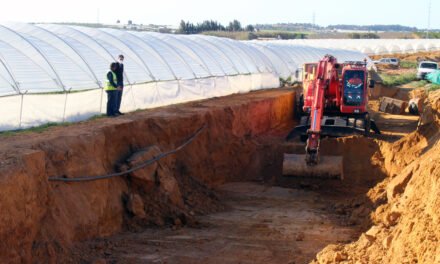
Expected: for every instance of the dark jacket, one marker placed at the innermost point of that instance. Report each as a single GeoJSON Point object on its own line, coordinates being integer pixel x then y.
{"type": "Point", "coordinates": [120, 73]}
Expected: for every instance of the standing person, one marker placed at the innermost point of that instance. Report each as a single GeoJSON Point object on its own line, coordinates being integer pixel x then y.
{"type": "Point", "coordinates": [111, 88]}
{"type": "Point", "coordinates": [120, 76]}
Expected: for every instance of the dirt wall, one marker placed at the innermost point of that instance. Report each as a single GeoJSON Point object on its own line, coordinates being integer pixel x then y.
{"type": "Point", "coordinates": [40, 219]}
{"type": "Point", "coordinates": [405, 227]}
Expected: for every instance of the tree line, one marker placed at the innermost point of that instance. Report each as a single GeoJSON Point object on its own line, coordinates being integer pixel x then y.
{"type": "Point", "coordinates": [187, 27]}
{"type": "Point", "coordinates": [386, 28]}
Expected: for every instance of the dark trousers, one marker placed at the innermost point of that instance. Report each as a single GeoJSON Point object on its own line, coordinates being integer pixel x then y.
{"type": "Point", "coordinates": [112, 102]}
{"type": "Point", "coordinates": [118, 105]}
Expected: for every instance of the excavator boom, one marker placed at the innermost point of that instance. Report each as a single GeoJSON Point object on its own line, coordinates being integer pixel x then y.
{"type": "Point", "coordinates": [326, 73]}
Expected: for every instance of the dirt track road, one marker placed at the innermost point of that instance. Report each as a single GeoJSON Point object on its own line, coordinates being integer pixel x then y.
{"type": "Point", "coordinates": [261, 224]}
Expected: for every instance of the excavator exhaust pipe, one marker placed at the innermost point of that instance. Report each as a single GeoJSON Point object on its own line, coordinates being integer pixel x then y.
{"type": "Point", "coordinates": [329, 167]}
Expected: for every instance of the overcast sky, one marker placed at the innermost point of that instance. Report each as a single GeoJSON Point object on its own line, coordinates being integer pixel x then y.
{"type": "Point", "coordinates": [170, 12]}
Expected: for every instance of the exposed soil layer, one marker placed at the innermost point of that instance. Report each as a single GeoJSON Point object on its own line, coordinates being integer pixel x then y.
{"type": "Point", "coordinates": [406, 224]}
{"type": "Point", "coordinates": [222, 198]}
{"type": "Point", "coordinates": [262, 223]}
{"type": "Point", "coordinates": [292, 224]}
{"type": "Point", "coordinates": [40, 220]}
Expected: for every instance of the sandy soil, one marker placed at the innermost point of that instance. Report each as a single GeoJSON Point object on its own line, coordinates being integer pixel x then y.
{"type": "Point", "coordinates": [405, 227]}
{"type": "Point", "coordinates": [392, 126]}
{"type": "Point", "coordinates": [263, 224]}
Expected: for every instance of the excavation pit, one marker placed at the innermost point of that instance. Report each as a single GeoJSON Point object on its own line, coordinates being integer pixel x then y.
{"type": "Point", "coordinates": [219, 199]}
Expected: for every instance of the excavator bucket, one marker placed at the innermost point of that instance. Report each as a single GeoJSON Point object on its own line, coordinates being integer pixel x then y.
{"type": "Point", "coordinates": [328, 167]}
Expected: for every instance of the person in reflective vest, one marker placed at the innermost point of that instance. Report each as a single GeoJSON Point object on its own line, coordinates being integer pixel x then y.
{"type": "Point", "coordinates": [111, 88]}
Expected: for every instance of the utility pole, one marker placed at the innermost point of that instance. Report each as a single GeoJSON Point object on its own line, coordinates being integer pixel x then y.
{"type": "Point", "coordinates": [429, 19]}
{"type": "Point", "coordinates": [313, 20]}
{"type": "Point", "coordinates": [97, 16]}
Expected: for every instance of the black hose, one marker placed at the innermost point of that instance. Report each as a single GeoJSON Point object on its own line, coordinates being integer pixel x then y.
{"type": "Point", "coordinates": [140, 166]}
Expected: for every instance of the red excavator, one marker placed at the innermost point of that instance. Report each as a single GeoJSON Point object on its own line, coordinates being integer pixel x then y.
{"type": "Point", "coordinates": [333, 104]}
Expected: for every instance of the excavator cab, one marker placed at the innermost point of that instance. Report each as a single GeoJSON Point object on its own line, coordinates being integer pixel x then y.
{"type": "Point", "coordinates": [353, 89]}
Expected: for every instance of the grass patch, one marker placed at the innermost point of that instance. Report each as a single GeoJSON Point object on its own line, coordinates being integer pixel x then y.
{"type": "Point", "coordinates": [433, 87]}
{"type": "Point", "coordinates": [408, 64]}
{"type": "Point", "coordinates": [395, 80]}
{"type": "Point", "coordinates": [418, 84]}
{"type": "Point", "coordinates": [96, 117]}
{"type": "Point", "coordinates": [45, 127]}
{"type": "Point", "coordinates": [239, 35]}
{"type": "Point", "coordinates": [37, 129]}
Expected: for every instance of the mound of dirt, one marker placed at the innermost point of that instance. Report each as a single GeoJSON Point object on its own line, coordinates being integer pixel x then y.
{"type": "Point", "coordinates": [406, 221]}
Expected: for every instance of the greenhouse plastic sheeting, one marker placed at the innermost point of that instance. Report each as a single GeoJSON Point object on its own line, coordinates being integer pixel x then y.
{"type": "Point", "coordinates": [55, 73]}
{"type": "Point", "coordinates": [370, 46]}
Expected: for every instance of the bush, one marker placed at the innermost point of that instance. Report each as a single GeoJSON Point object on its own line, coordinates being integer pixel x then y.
{"type": "Point", "coordinates": [280, 34]}
{"type": "Point", "coordinates": [284, 82]}
{"type": "Point", "coordinates": [363, 36]}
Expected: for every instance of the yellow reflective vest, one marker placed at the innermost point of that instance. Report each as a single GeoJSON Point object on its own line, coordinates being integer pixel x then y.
{"type": "Point", "coordinates": [108, 86]}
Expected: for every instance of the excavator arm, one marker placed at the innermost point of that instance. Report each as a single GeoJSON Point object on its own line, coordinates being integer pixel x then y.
{"type": "Point", "coordinates": [325, 75]}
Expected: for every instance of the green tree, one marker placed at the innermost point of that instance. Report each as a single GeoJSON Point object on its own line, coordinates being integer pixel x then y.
{"type": "Point", "coordinates": [235, 26]}
{"type": "Point", "coordinates": [182, 27]}
{"type": "Point", "coordinates": [250, 28]}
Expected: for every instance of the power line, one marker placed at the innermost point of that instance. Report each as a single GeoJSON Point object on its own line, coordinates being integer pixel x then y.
{"type": "Point", "coordinates": [429, 19]}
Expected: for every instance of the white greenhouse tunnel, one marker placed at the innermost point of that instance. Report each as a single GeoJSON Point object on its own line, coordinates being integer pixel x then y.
{"type": "Point", "coordinates": [370, 46]}
{"type": "Point", "coordinates": [55, 73]}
